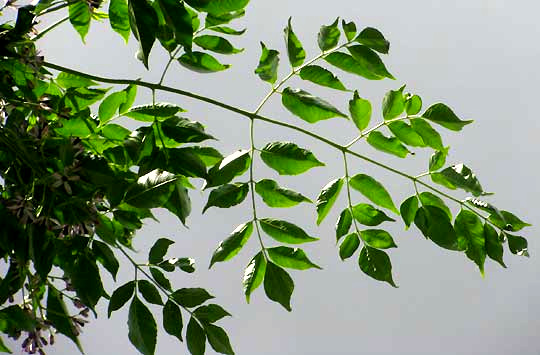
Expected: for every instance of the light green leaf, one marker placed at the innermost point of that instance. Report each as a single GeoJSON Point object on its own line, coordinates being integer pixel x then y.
{"type": "Point", "coordinates": [413, 105]}
{"type": "Point", "coordinates": [349, 28]}
{"type": "Point", "coordinates": [218, 339]}
{"type": "Point", "coordinates": [201, 62]}
{"type": "Point", "coordinates": [151, 190]}
{"type": "Point", "coordinates": [191, 297]}
{"type": "Point", "coordinates": [229, 247]}
{"type": "Point", "coordinates": [227, 169]}
{"type": "Point", "coordinates": [278, 285]}
{"type": "Point", "coordinates": [373, 39]}
{"type": "Point", "coordinates": [327, 198]}
{"type": "Point", "coordinates": [228, 30]}
{"type": "Point", "coordinates": [373, 190]}
{"type": "Point", "coordinates": [224, 18]}
{"type": "Point", "coordinates": [328, 36]}
{"type": "Point", "coordinates": [368, 215]}
{"type": "Point", "coordinates": [470, 232]}
{"type": "Point", "coordinates": [195, 337]}
{"type": "Point", "coordinates": [508, 221]}
{"type": "Point", "coordinates": [378, 238]}
{"type": "Point", "coordinates": [390, 145]}
{"type": "Point", "coordinates": [120, 297]}
{"type": "Point", "coordinates": [438, 159]}
{"type": "Point", "coordinates": [369, 62]}
{"type": "Point", "coordinates": [150, 113]}
{"type": "Point", "coordinates": [308, 107]}
{"type": "Point", "coordinates": [149, 292]}
{"type": "Point", "coordinates": [144, 25]}
{"type": "Point", "coordinates": [158, 250]}
{"type": "Point", "coordinates": [295, 51]}
{"type": "Point", "coordinates": [80, 16]}
{"type": "Point", "coordinates": [119, 17]}
{"type": "Point", "coordinates": [67, 81]}
{"type": "Point", "coordinates": [275, 196]}
{"type": "Point", "coordinates": [268, 64]}
{"type": "Point", "coordinates": [349, 246]}
{"type": "Point", "coordinates": [408, 210]}
{"type": "Point", "coordinates": [291, 258]}
{"type": "Point", "coordinates": [443, 115]}
{"type": "Point", "coordinates": [227, 195]}
{"type": "Point", "coordinates": [115, 132]}
{"type": "Point", "coordinates": [459, 176]}
{"type": "Point", "coordinates": [254, 274]}
{"type": "Point", "coordinates": [343, 224]}
{"type": "Point", "coordinates": [216, 44]}
{"type": "Point", "coordinates": [131, 94]}
{"type": "Point", "coordinates": [429, 199]}
{"type": "Point", "coordinates": [58, 315]}
{"type": "Point", "coordinates": [376, 264]}
{"type": "Point", "coordinates": [517, 245]}
{"type": "Point", "coordinates": [406, 134]}
{"type": "Point", "coordinates": [172, 320]}
{"type": "Point", "coordinates": [430, 136]}
{"type": "Point", "coordinates": [142, 327]}
{"type": "Point", "coordinates": [434, 224]}
{"type": "Point", "coordinates": [285, 232]}
{"type": "Point", "coordinates": [208, 155]}
{"type": "Point", "coordinates": [393, 104]}
{"type": "Point", "coordinates": [349, 64]}
{"type": "Point", "coordinates": [321, 76]}
{"type": "Point", "coordinates": [360, 110]}
{"type": "Point", "coordinates": [220, 7]}
{"type": "Point", "coordinates": [494, 248]}
{"type": "Point", "coordinates": [288, 159]}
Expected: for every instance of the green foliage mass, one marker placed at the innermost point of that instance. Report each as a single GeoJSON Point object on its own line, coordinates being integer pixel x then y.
{"type": "Point", "coordinates": [76, 187]}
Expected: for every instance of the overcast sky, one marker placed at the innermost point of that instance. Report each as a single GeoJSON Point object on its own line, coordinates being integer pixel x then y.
{"type": "Point", "coordinates": [479, 57]}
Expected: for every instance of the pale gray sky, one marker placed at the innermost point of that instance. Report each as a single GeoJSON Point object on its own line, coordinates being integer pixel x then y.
{"type": "Point", "coordinates": [481, 58]}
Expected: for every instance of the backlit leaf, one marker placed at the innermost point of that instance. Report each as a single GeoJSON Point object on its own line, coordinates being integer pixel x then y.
{"type": "Point", "coordinates": [494, 248]}
{"type": "Point", "coordinates": [373, 39]}
{"type": "Point", "coordinates": [254, 274]}
{"type": "Point", "coordinates": [470, 231]}
{"type": "Point", "coordinates": [438, 159]}
{"type": "Point", "coordinates": [373, 190]}
{"type": "Point", "coordinates": [368, 215]}
{"type": "Point", "coordinates": [376, 264]}
{"type": "Point", "coordinates": [268, 64]}
{"type": "Point", "coordinates": [201, 62]}
{"type": "Point", "coordinates": [295, 51]}
{"type": "Point", "coordinates": [413, 105]}
{"type": "Point", "coordinates": [369, 64]}
{"type": "Point", "coordinates": [360, 110]}
{"type": "Point", "coordinates": [275, 196]}
{"type": "Point", "coordinates": [119, 18]}
{"type": "Point", "coordinates": [508, 221]}
{"type": "Point", "coordinates": [321, 76]}
{"type": "Point", "coordinates": [349, 28]}
{"type": "Point", "coordinates": [285, 232]}
{"type": "Point", "coordinates": [378, 238]}
{"type": "Point", "coordinates": [429, 199]}
{"type": "Point", "coordinates": [349, 246]}
{"type": "Point", "coordinates": [390, 145]}
{"type": "Point", "coordinates": [327, 198]}
{"type": "Point", "coordinates": [228, 168]}
{"type": "Point", "coordinates": [328, 36]}
{"type": "Point", "coordinates": [443, 115]}
{"type": "Point", "coordinates": [343, 224]}
{"type": "Point", "coordinates": [406, 134]}
{"type": "Point", "coordinates": [227, 195]}
{"type": "Point", "coordinates": [80, 16]}
{"type": "Point", "coordinates": [216, 44]}
{"type": "Point", "coordinates": [291, 258]}
{"type": "Point", "coordinates": [518, 245]}
{"type": "Point", "coordinates": [288, 159]}
{"type": "Point", "coordinates": [229, 247]}
{"type": "Point", "coordinates": [408, 210]}
{"type": "Point", "coordinates": [459, 176]}
{"type": "Point", "coordinates": [150, 113]}
{"type": "Point", "coordinates": [308, 107]}
{"type": "Point", "coordinates": [393, 104]}
{"type": "Point", "coordinates": [434, 224]}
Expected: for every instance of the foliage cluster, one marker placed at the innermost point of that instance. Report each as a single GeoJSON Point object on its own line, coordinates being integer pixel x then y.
{"type": "Point", "coordinates": [76, 187]}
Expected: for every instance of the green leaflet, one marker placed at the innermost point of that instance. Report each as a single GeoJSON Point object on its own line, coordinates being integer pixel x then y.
{"type": "Point", "coordinates": [308, 107]}
{"type": "Point", "coordinates": [67, 81]}
{"type": "Point", "coordinates": [191, 297]}
{"type": "Point", "coordinates": [376, 264]}
{"type": "Point", "coordinates": [393, 104]}
{"type": "Point", "coordinates": [268, 64]}
{"type": "Point", "coordinates": [58, 314]}
{"type": "Point", "coordinates": [119, 17]}
{"type": "Point", "coordinates": [179, 202]}
{"type": "Point", "coordinates": [438, 159]}
{"type": "Point", "coordinates": [406, 134]}
{"type": "Point", "coordinates": [86, 280]}
{"type": "Point", "coordinates": [349, 28]}
{"type": "Point", "coordinates": [151, 190]}
{"type": "Point", "coordinates": [172, 320]}
{"type": "Point", "coordinates": [408, 210]}
{"type": "Point", "coordinates": [179, 20]}
{"type": "Point", "coordinates": [216, 44]}
{"type": "Point", "coordinates": [360, 110]}
{"type": "Point", "coordinates": [517, 245]}
{"type": "Point", "coordinates": [413, 105]}
{"type": "Point", "coordinates": [158, 250]}
{"type": "Point", "coordinates": [219, 7]}
{"type": "Point", "coordinates": [343, 224]}
{"type": "Point", "coordinates": [131, 94]}
{"type": "Point", "coordinates": [370, 63]}
{"type": "Point", "coordinates": [144, 25]}
{"type": "Point", "coordinates": [378, 238]}
{"type": "Point", "coordinates": [368, 215]}
{"type": "Point", "coordinates": [109, 106]}
{"type": "Point", "coordinates": [254, 274]}
{"type": "Point", "coordinates": [295, 51]}
{"type": "Point", "coordinates": [278, 285]}
{"type": "Point", "coordinates": [494, 247]}
{"type": "Point", "coordinates": [195, 337]}
{"type": "Point", "coordinates": [288, 159]}
{"type": "Point", "coordinates": [429, 199]}
{"type": "Point", "coordinates": [373, 39]}
{"type": "Point", "coordinates": [227, 30]}
{"type": "Point", "coordinates": [227, 195]}
{"type": "Point", "coordinates": [160, 278]}
{"type": "Point", "coordinates": [229, 247]}
{"type": "Point", "coordinates": [328, 36]}
{"type": "Point", "coordinates": [434, 224]}
{"type": "Point", "coordinates": [291, 258]}
{"type": "Point", "coordinates": [201, 62]}
{"type": "Point", "coordinates": [321, 76]}
{"type": "Point", "coordinates": [327, 198]}
{"type": "Point", "coordinates": [224, 18]}
{"type": "Point", "coordinates": [105, 256]}
{"type": "Point", "coordinates": [228, 168]}
{"type": "Point", "coordinates": [210, 313]}
{"type": "Point", "coordinates": [149, 292]}
{"type": "Point", "coordinates": [275, 196]}
{"type": "Point", "coordinates": [142, 327]}
{"type": "Point", "coordinates": [459, 176]}
{"type": "Point", "coordinates": [390, 145]}
{"type": "Point", "coordinates": [151, 113]}
{"type": "Point", "coordinates": [208, 155]}
{"type": "Point", "coordinates": [349, 246]}
{"type": "Point", "coordinates": [285, 232]}
{"type": "Point", "coordinates": [80, 16]}
{"type": "Point", "coordinates": [470, 232]}
{"type": "Point", "coordinates": [508, 221]}
{"type": "Point", "coordinates": [218, 339]}
{"type": "Point", "coordinates": [373, 190]}
{"type": "Point", "coordinates": [443, 115]}
{"type": "Point", "coordinates": [430, 136]}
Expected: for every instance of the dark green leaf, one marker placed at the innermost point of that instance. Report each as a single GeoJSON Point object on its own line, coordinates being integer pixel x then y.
{"type": "Point", "coordinates": [268, 64]}
{"type": "Point", "coordinates": [142, 327]}
{"type": "Point", "coordinates": [349, 64]}
{"type": "Point", "coordinates": [308, 107]}
{"type": "Point", "coordinates": [150, 113]}
{"type": "Point", "coordinates": [76, 127]}
{"type": "Point", "coordinates": [278, 285]}
{"type": "Point", "coordinates": [343, 224]}
{"type": "Point", "coordinates": [229, 247]}
{"type": "Point", "coordinates": [119, 17]}
{"type": "Point", "coordinates": [413, 105]}
{"type": "Point", "coordinates": [201, 62]}
{"type": "Point", "coordinates": [438, 159]}
{"type": "Point", "coordinates": [378, 238]}
{"type": "Point", "coordinates": [429, 199]}
{"type": "Point", "coordinates": [376, 264]}
{"type": "Point", "coordinates": [368, 215]}
{"type": "Point", "coordinates": [172, 319]}
{"type": "Point", "coordinates": [151, 190]}
{"type": "Point", "coordinates": [179, 202]}
{"type": "Point", "coordinates": [144, 25]}
{"type": "Point", "coordinates": [58, 315]}
{"type": "Point", "coordinates": [291, 258]}
{"type": "Point", "coordinates": [470, 232]}
{"type": "Point", "coordinates": [160, 278]}
{"type": "Point", "coordinates": [349, 246]}
{"type": "Point", "coordinates": [254, 274]}
{"type": "Point", "coordinates": [408, 210]}
{"type": "Point", "coordinates": [211, 313]}
{"type": "Point", "coordinates": [443, 115]}
{"type": "Point", "coordinates": [224, 18]}
{"type": "Point", "coordinates": [285, 232]}
{"type": "Point", "coordinates": [406, 134]}
{"type": "Point", "coordinates": [67, 80]}
{"type": "Point", "coordinates": [185, 264]}
{"type": "Point", "coordinates": [393, 104]}
{"type": "Point", "coordinates": [208, 155]}
{"type": "Point", "coordinates": [227, 30]}
{"type": "Point", "coordinates": [158, 250]}
{"type": "Point", "coordinates": [195, 337]}
{"type": "Point", "coordinates": [321, 76]}
{"type": "Point", "coordinates": [106, 257]}
{"type": "Point", "coordinates": [360, 110]}
{"type": "Point", "coordinates": [328, 37]}
{"type": "Point", "coordinates": [216, 44]}
{"type": "Point", "coordinates": [294, 47]}
{"type": "Point", "coordinates": [86, 280]}
{"type": "Point", "coordinates": [14, 319]}
{"type": "Point", "coordinates": [179, 20]}
{"type": "Point", "coordinates": [390, 145]}
{"type": "Point", "coordinates": [228, 168]}
{"type": "Point", "coordinates": [494, 248]}
{"type": "Point", "coordinates": [349, 28]}
{"type": "Point", "coordinates": [434, 224]}
{"type": "Point", "coordinates": [191, 297]}
{"type": "Point", "coordinates": [373, 39]}
{"type": "Point", "coordinates": [327, 198]}
{"type": "Point", "coordinates": [288, 159]}
{"type": "Point", "coordinates": [430, 136]}
{"type": "Point", "coordinates": [459, 176]}
{"type": "Point", "coordinates": [227, 195]}
{"type": "Point", "coordinates": [80, 16]}
{"type": "Point", "coordinates": [370, 65]}
{"type": "Point", "coordinates": [275, 196]}
{"type": "Point", "coordinates": [186, 162]}
{"type": "Point", "coordinates": [149, 292]}
{"type": "Point", "coordinates": [373, 190]}
{"type": "Point", "coordinates": [518, 245]}
{"type": "Point", "coordinates": [218, 339]}
{"type": "Point", "coordinates": [509, 221]}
